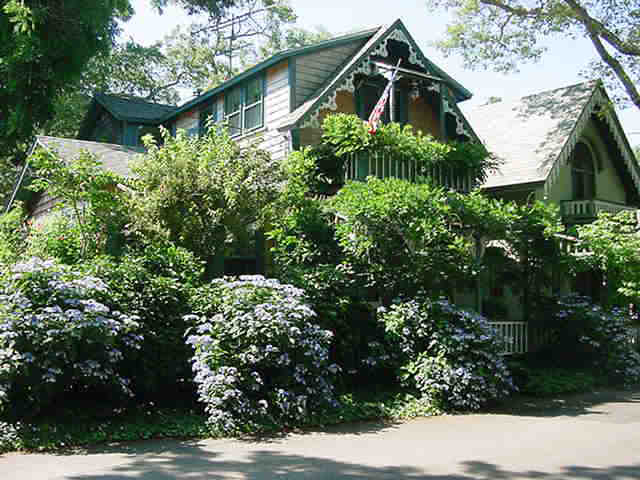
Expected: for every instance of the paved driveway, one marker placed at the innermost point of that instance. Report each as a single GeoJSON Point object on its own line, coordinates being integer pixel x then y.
{"type": "Point", "coordinates": [594, 436]}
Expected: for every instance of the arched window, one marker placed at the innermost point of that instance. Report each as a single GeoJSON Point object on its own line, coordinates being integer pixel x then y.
{"type": "Point", "coordinates": [583, 173]}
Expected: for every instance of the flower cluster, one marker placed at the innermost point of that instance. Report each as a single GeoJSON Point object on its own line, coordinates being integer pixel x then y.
{"type": "Point", "coordinates": [451, 355]}
{"type": "Point", "coordinates": [597, 336]}
{"type": "Point", "coordinates": [55, 337]}
{"type": "Point", "coordinates": [259, 360]}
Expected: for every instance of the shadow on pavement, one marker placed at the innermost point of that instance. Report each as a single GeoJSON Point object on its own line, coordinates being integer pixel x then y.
{"type": "Point", "coordinates": [568, 405]}
{"type": "Point", "coordinates": [195, 463]}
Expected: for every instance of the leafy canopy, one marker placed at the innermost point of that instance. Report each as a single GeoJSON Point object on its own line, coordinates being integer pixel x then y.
{"type": "Point", "coordinates": [502, 33]}
{"type": "Point", "coordinates": [204, 193]}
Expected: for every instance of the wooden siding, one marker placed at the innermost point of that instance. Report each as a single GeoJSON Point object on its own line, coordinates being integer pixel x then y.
{"type": "Point", "coordinates": [188, 120]}
{"type": "Point", "coordinates": [423, 117]}
{"type": "Point", "coordinates": [314, 69]}
{"type": "Point", "coordinates": [345, 102]}
{"type": "Point", "coordinates": [276, 107]}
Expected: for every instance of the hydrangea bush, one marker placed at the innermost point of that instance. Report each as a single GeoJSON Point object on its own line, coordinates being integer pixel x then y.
{"type": "Point", "coordinates": [586, 334]}
{"type": "Point", "coordinates": [56, 338]}
{"type": "Point", "coordinates": [259, 358]}
{"type": "Point", "coordinates": [452, 356]}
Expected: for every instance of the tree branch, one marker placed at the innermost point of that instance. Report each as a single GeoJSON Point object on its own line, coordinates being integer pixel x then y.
{"type": "Point", "coordinates": [601, 30]}
{"type": "Point", "coordinates": [615, 65]}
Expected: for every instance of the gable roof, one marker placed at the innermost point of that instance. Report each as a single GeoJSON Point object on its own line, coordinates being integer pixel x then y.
{"type": "Point", "coordinates": [277, 58]}
{"type": "Point", "coordinates": [133, 109]}
{"type": "Point", "coordinates": [534, 136]}
{"type": "Point", "coordinates": [113, 158]}
{"type": "Point", "coordinates": [324, 93]}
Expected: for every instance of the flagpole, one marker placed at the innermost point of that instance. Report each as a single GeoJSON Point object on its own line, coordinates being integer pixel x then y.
{"type": "Point", "coordinates": [387, 95]}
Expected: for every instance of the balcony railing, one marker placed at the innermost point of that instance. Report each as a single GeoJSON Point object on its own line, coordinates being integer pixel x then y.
{"type": "Point", "coordinates": [360, 165]}
{"type": "Point", "coordinates": [589, 209]}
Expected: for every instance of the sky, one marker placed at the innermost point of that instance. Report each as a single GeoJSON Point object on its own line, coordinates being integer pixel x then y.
{"type": "Point", "coordinates": [559, 67]}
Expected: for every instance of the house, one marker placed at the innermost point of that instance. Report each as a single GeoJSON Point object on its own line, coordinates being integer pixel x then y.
{"type": "Point", "coordinates": [564, 146]}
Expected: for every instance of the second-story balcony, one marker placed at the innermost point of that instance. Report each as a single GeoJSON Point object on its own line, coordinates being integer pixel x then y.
{"type": "Point", "coordinates": [360, 165]}
{"type": "Point", "coordinates": [587, 210]}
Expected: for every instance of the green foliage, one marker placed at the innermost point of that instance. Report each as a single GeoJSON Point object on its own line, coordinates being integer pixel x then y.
{"type": "Point", "coordinates": [614, 243]}
{"type": "Point", "coordinates": [344, 134]}
{"type": "Point", "coordinates": [450, 355]}
{"type": "Point", "coordinates": [57, 341]}
{"type": "Point", "coordinates": [88, 199]}
{"type": "Point", "coordinates": [155, 284]}
{"type": "Point", "coordinates": [499, 34]}
{"type": "Point", "coordinates": [57, 236]}
{"type": "Point", "coordinates": [12, 235]}
{"type": "Point", "coordinates": [541, 381]}
{"type": "Point", "coordinates": [204, 194]}
{"type": "Point", "coordinates": [43, 46]}
{"type": "Point", "coordinates": [259, 359]}
{"type": "Point", "coordinates": [400, 237]}
{"type": "Point", "coordinates": [581, 334]}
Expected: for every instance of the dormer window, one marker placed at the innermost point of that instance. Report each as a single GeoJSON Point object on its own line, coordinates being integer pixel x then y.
{"type": "Point", "coordinates": [583, 173]}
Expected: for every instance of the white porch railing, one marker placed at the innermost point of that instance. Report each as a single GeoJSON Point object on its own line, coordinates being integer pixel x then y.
{"type": "Point", "coordinates": [590, 208]}
{"type": "Point", "coordinates": [514, 335]}
{"type": "Point", "coordinates": [360, 165]}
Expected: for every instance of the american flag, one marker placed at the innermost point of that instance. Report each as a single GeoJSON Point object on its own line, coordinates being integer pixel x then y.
{"type": "Point", "coordinates": [374, 118]}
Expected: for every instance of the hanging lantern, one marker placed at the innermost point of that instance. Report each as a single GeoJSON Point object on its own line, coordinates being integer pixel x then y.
{"type": "Point", "coordinates": [414, 93]}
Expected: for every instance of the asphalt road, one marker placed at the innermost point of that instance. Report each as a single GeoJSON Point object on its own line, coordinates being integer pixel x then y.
{"type": "Point", "coordinates": [594, 436]}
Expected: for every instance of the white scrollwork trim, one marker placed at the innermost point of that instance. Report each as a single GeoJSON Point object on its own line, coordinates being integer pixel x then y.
{"type": "Point", "coordinates": [364, 67]}
{"type": "Point", "coordinates": [399, 36]}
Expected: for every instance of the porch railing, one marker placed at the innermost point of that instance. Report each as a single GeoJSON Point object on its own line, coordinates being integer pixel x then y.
{"type": "Point", "coordinates": [585, 209]}
{"type": "Point", "coordinates": [360, 165]}
{"type": "Point", "coordinates": [514, 335]}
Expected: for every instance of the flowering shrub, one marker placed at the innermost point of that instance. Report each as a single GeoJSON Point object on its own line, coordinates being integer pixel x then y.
{"type": "Point", "coordinates": [154, 284]}
{"type": "Point", "coordinates": [451, 355]}
{"type": "Point", "coordinates": [259, 360]}
{"type": "Point", "coordinates": [585, 334]}
{"type": "Point", "coordinates": [56, 338]}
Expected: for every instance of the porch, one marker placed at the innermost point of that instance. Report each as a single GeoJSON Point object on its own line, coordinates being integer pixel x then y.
{"type": "Point", "coordinates": [360, 165]}
{"type": "Point", "coordinates": [516, 335]}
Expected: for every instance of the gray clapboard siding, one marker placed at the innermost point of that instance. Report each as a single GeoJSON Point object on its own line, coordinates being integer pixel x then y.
{"type": "Point", "coordinates": [276, 107]}
{"type": "Point", "coordinates": [314, 69]}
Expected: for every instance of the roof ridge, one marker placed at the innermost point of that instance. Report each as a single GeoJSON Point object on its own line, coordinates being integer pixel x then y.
{"type": "Point", "coordinates": [135, 99]}
{"type": "Point", "coordinates": [595, 82]}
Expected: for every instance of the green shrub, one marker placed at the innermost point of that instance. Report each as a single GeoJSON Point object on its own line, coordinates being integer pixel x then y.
{"type": "Point", "coordinates": [260, 360]}
{"type": "Point", "coordinates": [57, 341]}
{"type": "Point", "coordinates": [586, 335]}
{"type": "Point", "coordinates": [56, 237]}
{"type": "Point", "coordinates": [155, 285]}
{"type": "Point", "coordinates": [451, 356]}
{"type": "Point", "coordinates": [12, 235]}
{"type": "Point", "coordinates": [555, 381]}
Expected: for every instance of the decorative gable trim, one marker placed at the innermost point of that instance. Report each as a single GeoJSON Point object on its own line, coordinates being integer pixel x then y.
{"type": "Point", "coordinates": [598, 98]}
{"type": "Point", "coordinates": [362, 64]}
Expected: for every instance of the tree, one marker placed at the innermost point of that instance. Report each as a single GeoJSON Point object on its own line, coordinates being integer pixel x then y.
{"type": "Point", "coordinates": [45, 44]}
{"type": "Point", "coordinates": [614, 243]}
{"type": "Point", "coordinates": [205, 194]}
{"type": "Point", "coordinates": [500, 33]}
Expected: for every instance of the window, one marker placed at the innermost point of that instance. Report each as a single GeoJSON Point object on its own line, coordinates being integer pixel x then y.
{"type": "Point", "coordinates": [583, 173]}
{"type": "Point", "coordinates": [243, 106]}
